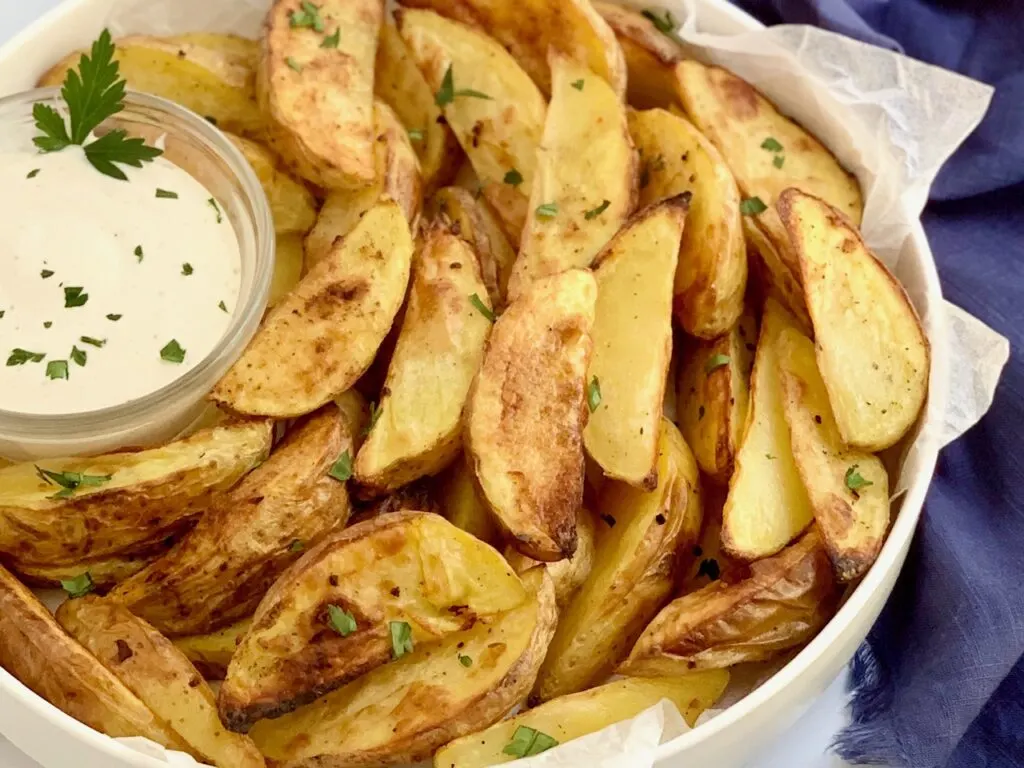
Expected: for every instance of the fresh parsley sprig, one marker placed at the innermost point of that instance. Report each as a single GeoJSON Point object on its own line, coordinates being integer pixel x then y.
{"type": "Point", "coordinates": [93, 93]}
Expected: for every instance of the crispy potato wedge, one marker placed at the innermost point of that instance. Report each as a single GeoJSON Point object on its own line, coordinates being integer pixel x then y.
{"type": "Point", "coordinates": [872, 351]}
{"type": "Point", "coordinates": [415, 568]}
{"type": "Point", "coordinates": [635, 566]}
{"type": "Point", "coordinates": [213, 75]}
{"type": "Point", "coordinates": [531, 28]}
{"type": "Point", "coordinates": [288, 265]}
{"type": "Point", "coordinates": [499, 133]}
{"type": "Point", "coordinates": [149, 665]}
{"type": "Point", "coordinates": [219, 572]}
{"type": "Point", "coordinates": [150, 495]}
{"type": "Point", "coordinates": [848, 489]}
{"type": "Point", "coordinates": [710, 561]}
{"type": "Point", "coordinates": [321, 338]}
{"type": "Point", "coordinates": [104, 572]}
{"type": "Point", "coordinates": [584, 187]}
{"type": "Point", "coordinates": [40, 654]}
{"type": "Point", "coordinates": [318, 99]}
{"type": "Point", "coordinates": [399, 83]}
{"type": "Point", "coordinates": [397, 177]}
{"type": "Point", "coordinates": [713, 395]}
{"type": "Point", "coordinates": [773, 274]}
{"type": "Point", "coordinates": [767, 506]}
{"type": "Point", "coordinates": [418, 431]}
{"type": "Point", "coordinates": [473, 221]}
{"type": "Point", "coordinates": [462, 505]}
{"type": "Point", "coordinates": [403, 711]}
{"type": "Point", "coordinates": [569, 717]}
{"type": "Point", "coordinates": [650, 56]}
{"type": "Point", "coordinates": [712, 275]}
{"type": "Point", "coordinates": [527, 412]}
{"type": "Point", "coordinates": [567, 575]}
{"type": "Point", "coordinates": [211, 653]}
{"type": "Point", "coordinates": [626, 380]}
{"type": "Point", "coordinates": [291, 203]}
{"type": "Point", "coordinates": [784, 603]}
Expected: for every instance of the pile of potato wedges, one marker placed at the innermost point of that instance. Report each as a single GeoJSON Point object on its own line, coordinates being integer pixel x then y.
{"type": "Point", "coordinates": [570, 397]}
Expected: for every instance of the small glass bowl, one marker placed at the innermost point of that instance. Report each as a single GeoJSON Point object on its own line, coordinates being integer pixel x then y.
{"type": "Point", "coordinates": [196, 146]}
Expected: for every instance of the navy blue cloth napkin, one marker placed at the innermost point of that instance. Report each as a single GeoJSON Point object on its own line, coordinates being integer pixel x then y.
{"type": "Point", "coordinates": [940, 681]}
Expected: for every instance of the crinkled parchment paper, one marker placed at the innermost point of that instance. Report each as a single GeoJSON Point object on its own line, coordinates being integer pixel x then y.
{"type": "Point", "coordinates": [892, 120]}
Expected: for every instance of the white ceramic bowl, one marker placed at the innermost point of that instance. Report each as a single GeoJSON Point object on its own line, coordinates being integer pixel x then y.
{"type": "Point", "coordinates": [726, 741]}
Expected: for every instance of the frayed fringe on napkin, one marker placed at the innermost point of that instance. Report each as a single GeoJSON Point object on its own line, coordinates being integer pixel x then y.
{"type": "Point", "coordinates": [869, 739]}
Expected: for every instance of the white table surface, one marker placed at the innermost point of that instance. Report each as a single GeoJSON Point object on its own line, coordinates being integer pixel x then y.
{"type": "Point", "coordinates": [805, 746]}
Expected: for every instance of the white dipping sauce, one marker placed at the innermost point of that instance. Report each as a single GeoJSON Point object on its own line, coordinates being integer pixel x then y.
{"type": "Point", "coordinates": [71, 227]}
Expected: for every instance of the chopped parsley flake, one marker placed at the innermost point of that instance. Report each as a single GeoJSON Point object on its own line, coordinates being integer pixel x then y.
{"type": "Point", "coordinates": [513, 177]}
{"type": "Point", "coordinates": [527, 742]}
{"type": "Point", "coordinates": [308, 17]}
{"type": "Point", "coordinates": [138, 253]}
{"type": "Point", "coordinates": [481, 307]}
{"type": "Point", "coordinates": [22, 356]}
{"type": "Point", "coordinates": [771, 145]}
{"type": "Point", "coordinates": [752, 206]}
{"type": "Point", "coordinates": [331, 41]}
{"type": "Point", "coordinates": [341, 621]}
{"type": "Point", "coordinates": [216, 208]}
{"type": "Point", "coordinates": [547, 210]}
{"type": "Point", "coordinates": [46, 324]}
{"type": "Point", "coordinates": [73, 297]}
{"type": "Point", "coordinates": [33, 173]}
{"type": "Point", "coordinates": [855, 481]}
{"type": "Point", "coordinates": [223, 307]}
{"type": "Point", "coordinates": [578, 84]}
{"type": "Point", "coordinates": [593, 394]}
{"type": "Point", "coordinates": [69, 482]}
{"type": "Point", "coordinates": [465, 661]}
{"type": "Point", "coordinates": [446, 94]}
{"type": "Point", "coordinates": [186, 269]}
{"type": "Point", "coordinates": [296, 546]}
{"type": "Point", "coordinates": [715, 362]}
{"type": "Point", "coordinates": [341, 470]}
{"type": "Point", "coordinates": [665, 24]}
{"type": "Point", "coordinates": [114, 318]}
{"type": "Point", "coordinates": [78, 356]}
{"type": "Point", "coordinates": [593, 213]}
{"type": "Point", "coordinates": [57, 369]}
{"type": "Point", "coordinates": [374, 415]}
{"type": "Point", "coordinates": [166, 194]}
{"type": "Point", "coordinates": [92, 341]}
{"type": "Point", "coordinates": [293, 64]}
{"type": "Point", "coordinates": [46, 273]}
{"type": "Point", "coordinates": [173, 352]}
{"type": "Point", "coordinates": [401, 638]}
{"type": "Point", "coordinates": [778, 161]}
{"type": "Point", "coordinates": [79, 586]}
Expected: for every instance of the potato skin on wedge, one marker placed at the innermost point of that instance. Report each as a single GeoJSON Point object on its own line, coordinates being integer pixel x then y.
{"type": "Point", "coordinates": [410, 567]}
{"type": "Point", "coordinates": [634, 301]}
{"type": "Point", "coordinates": [570, 717]}
{"type": "Point", "coordinates": [767, 506]}
{"type": "Point", "coordinates": [584, 187]}
{"type": "Point", "coordinates": [786, 600]}
{"type": "Point", "coordinates": [151, 494]}
{"type": "Point", "coordinates": [529, 29]}
{"type": "Point", "coordinates": [872, 351]}
{"type": "Point", "coordinates": [318, 100]}
{"type": "Point", "coordinates": [637, 559]}
{"type": "Point", "coordinates": [150, 666]}
{"type": "Point", "coordinates": [527, 412]}
{"type": "Point", "coordinates": [711, 278]}
{"type": "Point", "coordinates": [500, 133]}
{"type": "Point", "coordinates": [440, 347]}
{"type": "Point", "coordinates": [403, 711]}
{"type": "Point", "coordinates": [35, 649]}
{"type": "Point", "coordinates": [848, 489]}
{"type": "Point", "coordinates": [217, 574]}
{"type": "Point", "coordinates": [323, 336]}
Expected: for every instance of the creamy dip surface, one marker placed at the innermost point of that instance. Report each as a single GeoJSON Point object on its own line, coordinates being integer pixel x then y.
{"type": "Point", "coordinates": [109, 289]}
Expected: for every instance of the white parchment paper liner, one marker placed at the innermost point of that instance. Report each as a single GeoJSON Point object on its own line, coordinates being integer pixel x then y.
{"type": "Point", "coordinates": [891, 120]}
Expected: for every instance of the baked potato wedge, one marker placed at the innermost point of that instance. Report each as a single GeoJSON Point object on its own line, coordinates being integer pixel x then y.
{"type": "Point", "coordinates": [527, 412]}
{"type": "Point", "coordinates": [104, 572]}
{"type": "Point", "coordinates": [473, 221]}
{"type": "Point", "coordinates": [773, 275]}
{"type": "Point", "coordinates": [40, 654]}
{"type": "Point", "coordinates": [584, 186]}
{"type": "Point", "coordinates": [219, 572]}
{"type": "Point", "coordinates": [213, 75]}
{"type": "Point", "coordinates": [73, 509]}
{"type": "Point", "coordinates": [784, 603]}
{"type": "Point", "coordinates": [626, 380]}
{"type": "Point", "coordinates": [848, 488]}
{"type": "Point", "coordinates": [332, 617]}
{"type": "Point", "coordinates": [462, 505]}
{"type": "Point", "coordinates": [399, 83]}
{"type": "Point", "coordinates": [767, 506]}
{"type": "Point", "coordinates": [567, 575]}
{"type": "Point", "coordinates": [872, 351]}
{"type": "Point", "coordinates": [531, 28]}
{"type": "Point", "coordinates": [710, 561]}
{"type": "Point", "coordinates": [713, 394]}
{"type": "Point", "coordinates": [149, 665]}
{"type": "Point", "coordinates": [314, 85]}
{"type": "Point", "coordinates": [418, 430]}
{"type": "Point", "coordinates": [492, 106]}
{"type": "Point", "coordinates": [569, 717]}
{"type": "Point", "coordinates": [712, 275]}
{"type": "Point", "coordinates": [636, 561]}
{"type": "Point", "coordinates": [291, 203]}
{"type": "Point", "coordinates": [403, 711]}
{"type": "Point", "coordinates": [650, 55]}
{"type": "Point", "coordinates": [288, 266]}
{"type": "Point", "coordinates": [397, 177]}
{"type": "Point", "coordinates": [211, 653]}
{"type": "Point", "coordinates": [321, 338]}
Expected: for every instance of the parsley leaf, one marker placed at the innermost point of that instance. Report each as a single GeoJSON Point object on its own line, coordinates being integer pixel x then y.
{"type": "Point", "coordinates": [341, 470]}
{"type": "Point", "coordinates": [771, 145]}
{"type": "Point", "coordinates": [752, 206]}
{"type": "Point", "coordinates": [138, 253]}
{"type": "Point", "coordinates": [296, 546]}
{"type": "Point", "coordinates": [213, 203]}
{"type": "Point", "coordinates": [401, 638]}
{"type": "Point", "coordinates": [173, 352]}
{"type": "Point", "coordinates": [465, 661]}
{"type": "Point", "coordinates": [69, 482]}
{"type": "Point", "coordinates": [166, 194]}
{"type": "Point", "coordinates": [513, 177]}
{"type": "Point", "coordinates": [46, 273]}
{"type": "Point", "coordinates": [186, 269]}
{"type": "Point", "coordinates": [446, 94]}
{"type": "Point", "coordinates": [593, 213]}
{"type": "Point", "coordinates": [114, 318]}
{"type": "Point", "coordinates": [855, 481]}
{"type": "Point", "coordinates": [547, 210]}
{"type": "Point", "coordinates": [308, 17]}
{"type": "Point", "coordinates": [527, 742]}
{"type": "Point", "coordinates": [482, 308]}
{"type": "Point", "coordinates": [593, 394]}
{"type": "Point", "coordinates": [778, 161]}
{"type": "Point", "coordinates": [21, 356]}
{"type": "Point", "coordinates": [33, 173]}
{"type": "Point", "coordinates": [78, 356]}
{"type": "Point", "coordinates": [715, 362]}
{"type": "Point", "coordinates": [223, 306]}
{"type": "Point", "coordinates": [665, 24]}
{"type": "Point", "coordinates": [57, 369]}
{"type": "Point", "coordinates": [331, 41]}
{"type": "Point", "coordinates": [578, 84]}
{"type": "Point", "coordinates": [73, 296]}
{"type": "Point", "coordinates": [49, 121]}
{"type": "Point", "coordinates": [341, 621]}
{"type": "Point", "coordinates": [79, 586]}
{"type": "Point", "coordinates": [92, 341]}
{"type": "Point", "coordinates": [116, 147]}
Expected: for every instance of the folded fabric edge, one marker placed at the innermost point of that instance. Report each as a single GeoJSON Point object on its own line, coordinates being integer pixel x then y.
{"type": "Point", "coordinates": [869, 739]}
